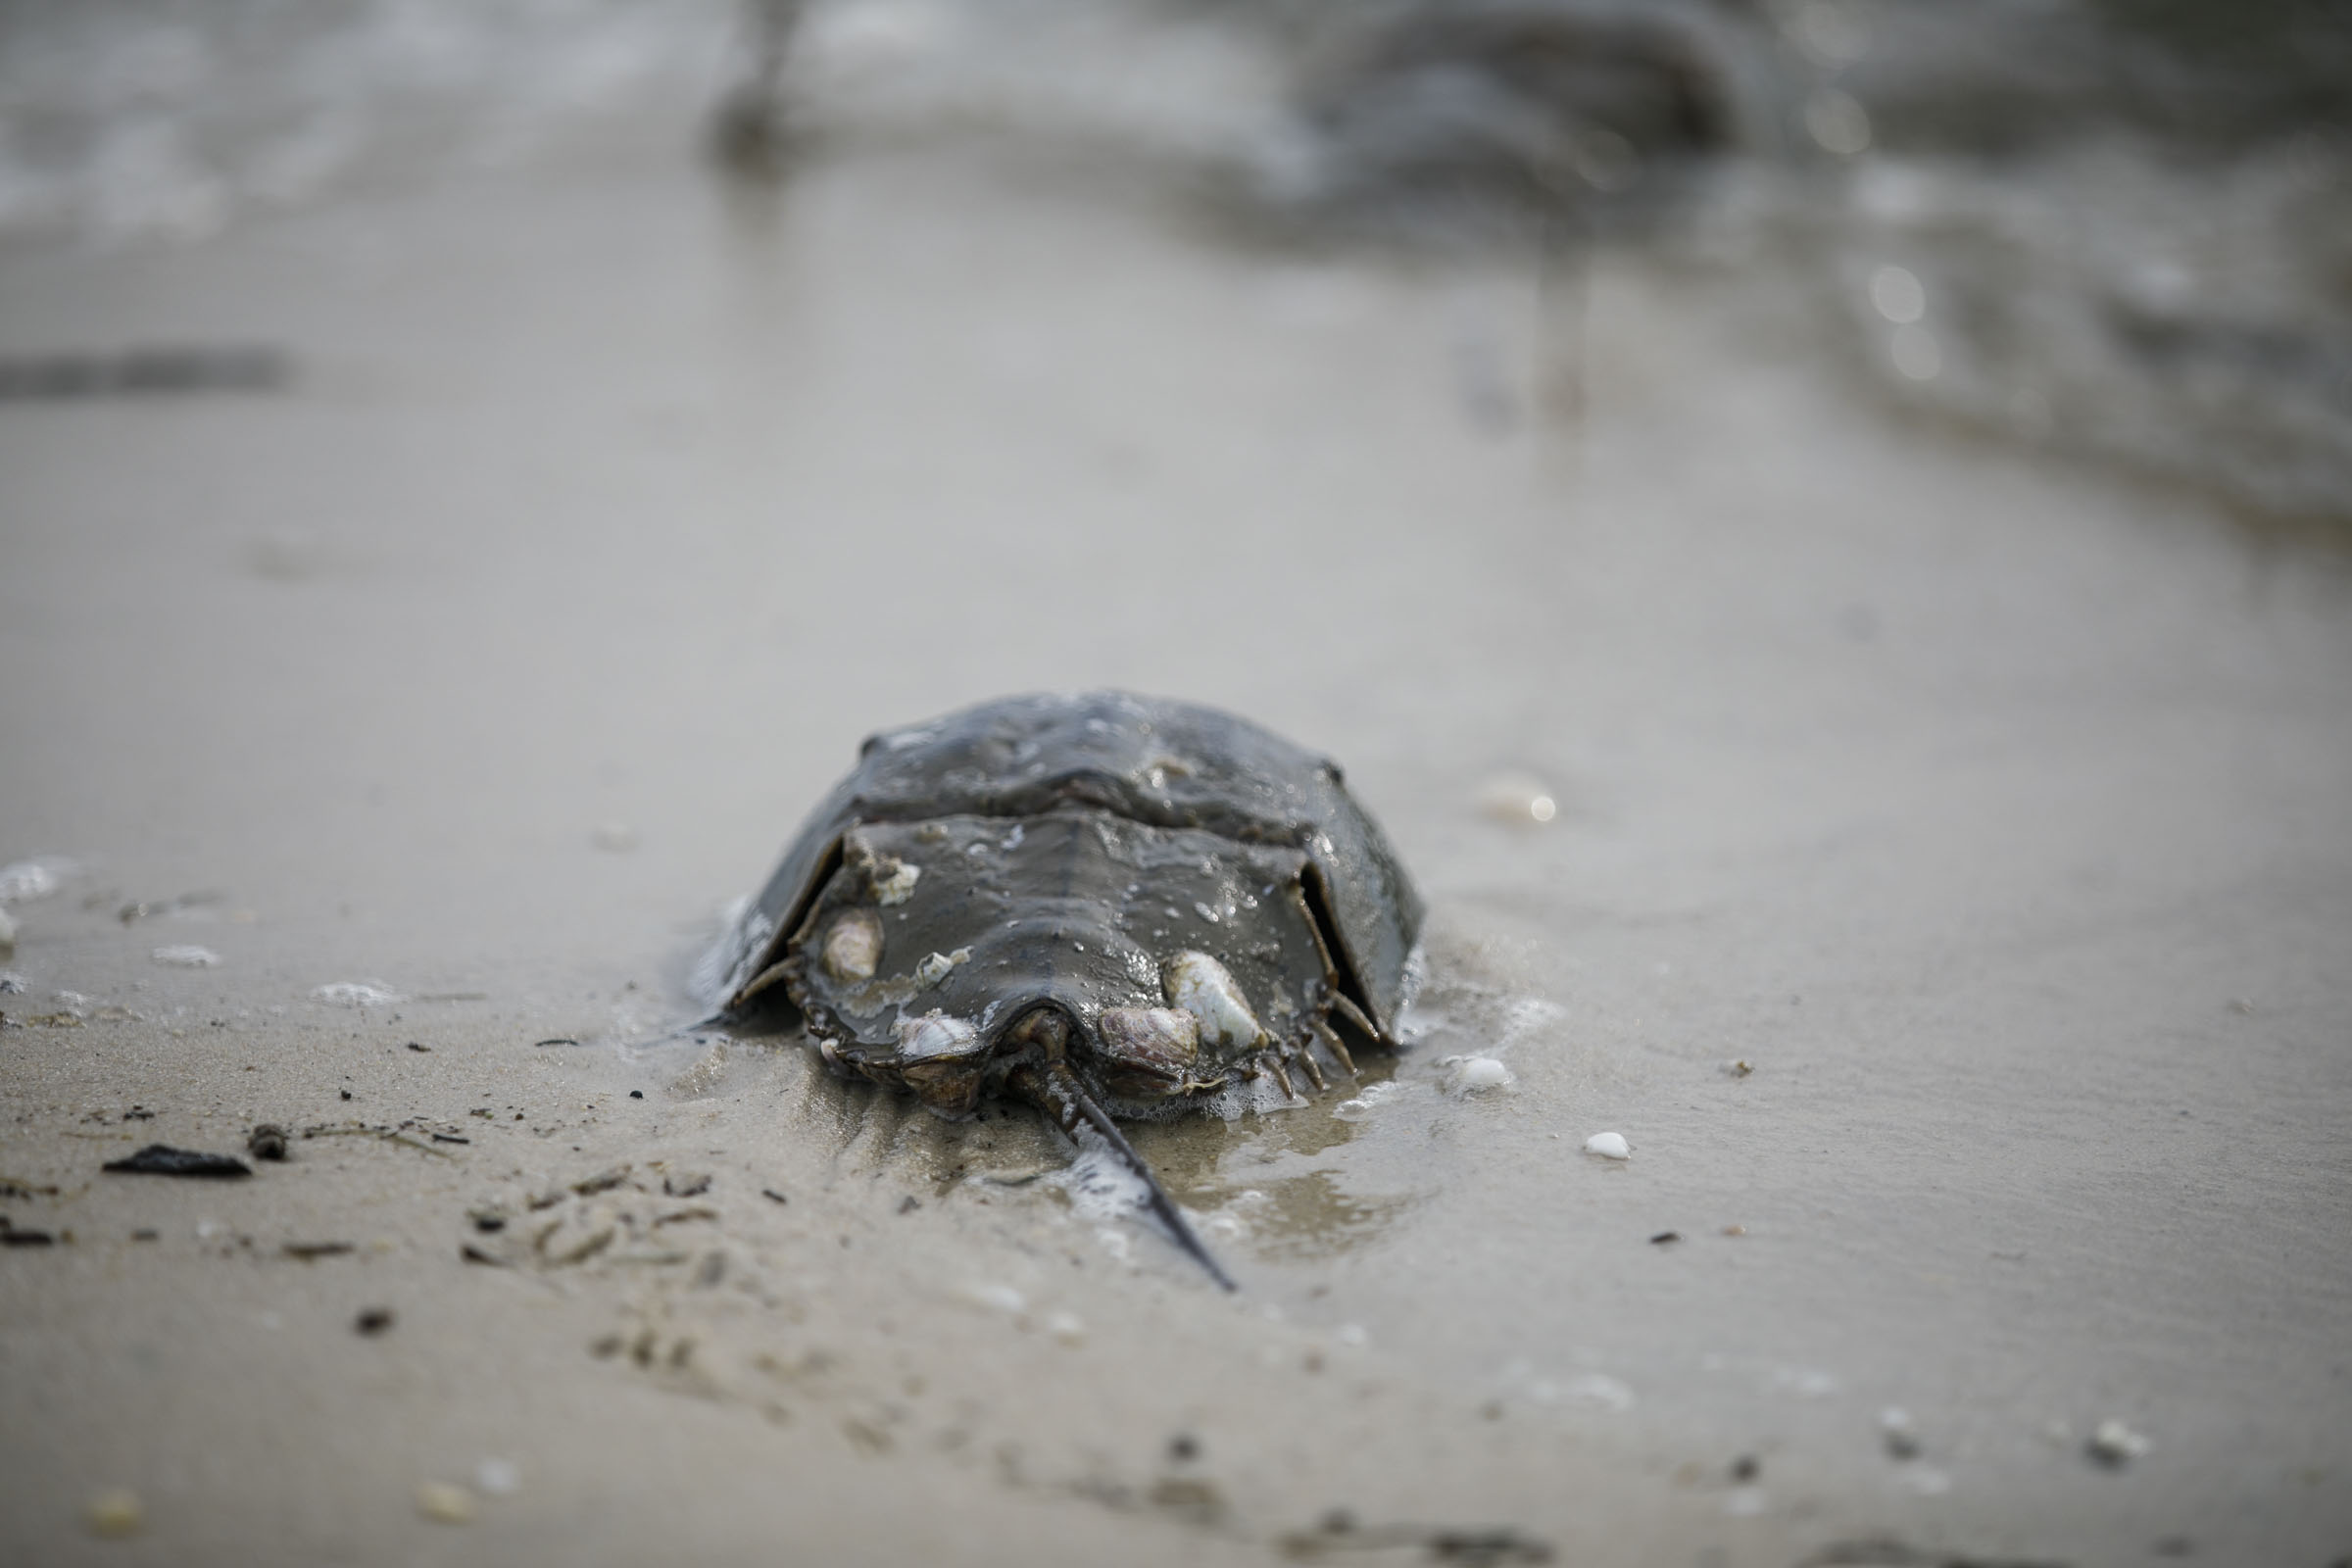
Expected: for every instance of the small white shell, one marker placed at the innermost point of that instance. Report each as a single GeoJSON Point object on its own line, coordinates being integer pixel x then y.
{"type": "Point", "coordinates": [187, 958]}
{"type": "Point", "coordinates": [1201, 986]}
{"type": "Point", "coordinates": [1609, 1146]}
{"type": "Point", "coordinates": [2114, 1443]}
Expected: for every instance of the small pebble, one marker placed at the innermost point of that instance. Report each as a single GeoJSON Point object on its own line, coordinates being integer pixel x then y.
{"type": "Point", "coordinates": [116, 1512]}
{"type": "Point", "coordinates": [993, 1297]}
{"type": "Point", "coordinates": [1665, 1238]}
{"type": "Point", "coordinates": [268, 1140]}
{"type": "Point", "coordinates": [1068, 1328]}
{"type": "Point", "coordinates": [444, 1503]}
{"type": "Point", "coordinates": [187, 956]}
{"type": "Point", "coordinates": [1517, 798]}
{"type": "Point", "coordinates": [1900, 1436]}
{"type": "Point", "coordinates": [2115, 1445]}
{"type": "Point", "coordinates": [373, 1320]}
{"type": "Point", "coordinates": [1609, 1146]}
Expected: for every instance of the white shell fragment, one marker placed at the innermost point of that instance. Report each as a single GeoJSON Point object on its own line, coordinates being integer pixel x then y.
{"type": "Point", "coordinates": [1201, 986]}
{"type": "Point", "coordinates": [853, 945]}
{"type": "Point", "coordinates": [26, 880]}
{"type": "Point", "coordinates": [2115, 1445]}
{"type": "Point", "coordinates": [893, 881]}
{"type": "Point", "coordinates": [935, 1035]}
{"type": "Point", "coordinates": [939, 966]}
{"type": "Point", "coordinates": [187, 958]}
{"type": "Point", "coordinates": [1474, 1075]}
{"type": "Point", "coordinates": [1609, 1146]}
{"type": "Point", "coordinates": [1599, 1392]}
{"type": "Point", "coordinates": [357, 994]}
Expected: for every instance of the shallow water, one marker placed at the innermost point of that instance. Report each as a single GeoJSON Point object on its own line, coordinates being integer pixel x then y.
{"type": "Point", "coordinates": [1989, 808]}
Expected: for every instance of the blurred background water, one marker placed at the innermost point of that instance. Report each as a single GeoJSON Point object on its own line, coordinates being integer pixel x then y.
{"type": "Point", "coordinates": [2117, 229]}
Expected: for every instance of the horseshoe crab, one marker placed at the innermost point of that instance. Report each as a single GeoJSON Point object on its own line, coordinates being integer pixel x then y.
{"type": "Point", "coordinates": [1107, 906]}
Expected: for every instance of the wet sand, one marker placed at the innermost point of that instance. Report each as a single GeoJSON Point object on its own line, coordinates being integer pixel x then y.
{"type": "Point", "coordinates": [1998, 817]}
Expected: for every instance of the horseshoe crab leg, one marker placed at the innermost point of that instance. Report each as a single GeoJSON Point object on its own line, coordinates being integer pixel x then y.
{"type": "Point", "coordinates": [1333, 1044]}
{"type": "Point", "coordinates": [1056, 1091]}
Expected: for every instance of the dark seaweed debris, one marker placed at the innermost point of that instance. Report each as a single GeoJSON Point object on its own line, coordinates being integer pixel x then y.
{"type": "Point", "coordinates": [162, 1159]}
{"type": "Point", "coordinates": [1478, 1549]}
{"type": "Point", "coordinates": [137, 373]}
{"type": "Point", "coordinates": [10, 1236]}
{"type": "Point", "coordinates": [1888, 1551]}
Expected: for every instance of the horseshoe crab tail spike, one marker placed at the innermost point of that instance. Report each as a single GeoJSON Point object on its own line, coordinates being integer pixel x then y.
{"type": "Point", "coordinates": [1058, 1091]}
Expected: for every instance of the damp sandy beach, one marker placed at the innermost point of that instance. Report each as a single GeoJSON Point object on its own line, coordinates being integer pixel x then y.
{"type": "Point", "coordinates": [1931, 853]}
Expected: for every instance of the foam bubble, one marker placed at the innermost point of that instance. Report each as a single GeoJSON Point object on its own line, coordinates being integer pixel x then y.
{"type": "Point", "coordinates": [1474, 1075]}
